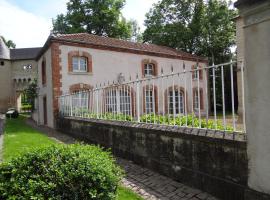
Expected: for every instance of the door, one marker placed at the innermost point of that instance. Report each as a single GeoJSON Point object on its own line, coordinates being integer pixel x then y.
{"type": "Point", "coordinates": [45, 110]}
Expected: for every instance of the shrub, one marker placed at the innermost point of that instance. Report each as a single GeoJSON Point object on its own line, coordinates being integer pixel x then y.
{"type": "Point", "coordinates": [61, 172]}
{"type": "Point", "coordinates": [26, 107]}
{"type": "Point", "coordinates": [189, 120]}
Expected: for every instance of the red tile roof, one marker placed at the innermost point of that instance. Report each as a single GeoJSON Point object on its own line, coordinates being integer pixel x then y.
{"type": "Point", "coordinates": [125, 46]}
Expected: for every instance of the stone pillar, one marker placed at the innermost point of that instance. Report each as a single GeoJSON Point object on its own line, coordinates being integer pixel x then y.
{"type": "Point", "coordinates": [240, 58]}
{"type": "Point", "coordinates": [256, 19]}
{"type": "Point", "coordinates": [18, 98]}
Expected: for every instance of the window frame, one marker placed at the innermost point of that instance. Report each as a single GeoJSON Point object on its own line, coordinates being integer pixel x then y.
{"type": "Point", "coordinates": [79, 59]}
{"type": "Point", "coordinates": [198, 101]}
{"type": "Point", "coordinates": [147, 69]}
{"type": "Point", "coordinates": [149, 101]}
{"type": "Point", "coordinates": [82, 97]}
{"type": "Point", "coordinates": [145, 64]}
{"type": "Point", "coordinates": [119, 100]}
{"type": "Point", "coordinates": [180, 102]}
{"type": "Point", "coordinates": [197, 72]}
{"type": "Point", "coordinates": [150, 104]}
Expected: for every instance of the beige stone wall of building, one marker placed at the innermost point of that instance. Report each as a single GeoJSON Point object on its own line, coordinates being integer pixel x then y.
{"type": "Point", "coordinates": [22, 76]}
{"type": "Point", "coordinates": [13, 80]}
{"type": "Point", "coordinates": [18, 71]}
{"type": "Point", "coordinates": [6, 86]}
{"type": "Point", "coordinates": [108, 64]}
{"type": "Point", "coordinates": [45, 90]}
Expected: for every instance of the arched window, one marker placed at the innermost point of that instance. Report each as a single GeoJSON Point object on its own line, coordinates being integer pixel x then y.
{"type": "Point", "coordinates": [175, 100]}
{"type": "Point", "coordinates": [80, 96]}
{"type": "Point", "coordinates": [197, 73]}
{"type": "Point", "coordinates": [150, 95]}
{"type": "Point", "coordinates": [149, 68]}
{"type": "Point", "coordinates": [119, 100]}
{"type": "Point", "coordinates": [198, 100]}
{"type": "Point", "coordinates": [80, 62]}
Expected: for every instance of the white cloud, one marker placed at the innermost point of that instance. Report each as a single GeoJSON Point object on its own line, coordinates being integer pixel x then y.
{"type": "Point", "coordinates": [24, 28]}
{"type": "Point", "coordinates": [136, 9]}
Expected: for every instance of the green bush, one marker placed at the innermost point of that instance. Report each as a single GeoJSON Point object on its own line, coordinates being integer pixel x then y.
{"type": "Point", "coordinates": [61, 172]}
{"type": "Point", "coordinates": [190, 121]}
{"type": "Point", "coordinates": [26, 107]}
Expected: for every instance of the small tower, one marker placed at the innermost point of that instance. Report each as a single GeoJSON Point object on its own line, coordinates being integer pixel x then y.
{"type": "Point", "coordinates": [4, 50]}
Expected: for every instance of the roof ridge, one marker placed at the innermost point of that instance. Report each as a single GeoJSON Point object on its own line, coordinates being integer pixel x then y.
{"type": "Point", "coordinates": [145, 48]}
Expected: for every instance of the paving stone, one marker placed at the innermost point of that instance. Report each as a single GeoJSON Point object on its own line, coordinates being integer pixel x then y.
{"type": "Point", "coordinates": [194, 198]}
{"type": "Point", "coordinates": [202, 196]}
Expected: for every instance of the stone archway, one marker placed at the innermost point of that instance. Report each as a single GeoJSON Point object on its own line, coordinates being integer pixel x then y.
{"type": "Point", "coordinates": [20, 84]}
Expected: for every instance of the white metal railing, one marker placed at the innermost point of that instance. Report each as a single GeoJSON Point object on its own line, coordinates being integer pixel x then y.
{"type": "Point", "coordinates": [190, 98]}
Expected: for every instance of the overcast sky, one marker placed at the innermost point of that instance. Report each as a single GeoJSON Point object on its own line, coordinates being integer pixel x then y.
{"type": "Point", "coordinates": [28, 22]}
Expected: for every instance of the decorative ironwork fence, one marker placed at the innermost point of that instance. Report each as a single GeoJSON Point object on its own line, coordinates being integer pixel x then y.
{"type": "Point", "coordinates": [204, 97]}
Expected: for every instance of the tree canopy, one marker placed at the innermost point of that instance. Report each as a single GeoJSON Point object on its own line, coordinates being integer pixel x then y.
{"type": "Point", "coordinates": [196, 26]}
{"type": "Point", "coordinates": [9, 43]}
{"type": "Point", "coordinates": [99, 17]}
{"type": "Point", "coordinates": [31, 93]}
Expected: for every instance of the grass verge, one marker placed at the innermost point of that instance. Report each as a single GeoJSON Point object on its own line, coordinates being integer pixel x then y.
{"type": "Point", "coordinates": [20, 138]}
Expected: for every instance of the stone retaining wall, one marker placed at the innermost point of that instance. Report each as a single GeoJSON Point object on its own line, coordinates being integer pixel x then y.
{"type": "Point", "coordinates": [214, 162]}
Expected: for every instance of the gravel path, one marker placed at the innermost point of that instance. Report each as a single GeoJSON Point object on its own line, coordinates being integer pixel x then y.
{"type": "Point", "coordinates": [146, 183]}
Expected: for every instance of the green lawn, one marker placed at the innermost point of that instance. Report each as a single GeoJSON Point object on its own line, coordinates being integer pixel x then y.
{"type": "Point", "coordinates": [19, 138]}
{"type": "Point", "coordinates": [127, 194]}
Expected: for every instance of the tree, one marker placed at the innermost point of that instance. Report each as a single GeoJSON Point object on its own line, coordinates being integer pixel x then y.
{"type": "Point", "coordinates": [60, 24]}
{"type": "Point", "coordinates": [31, 93]}
{"type": "Point", "coordinates": [200, 27]}
{"type": "Point", "coordinates": [218, 31]}
{"type": "Point", "coordinates": [96, 17]}
{"type": "Point", "coordinates": [136, 34]}
{"type": "Point", "coordinates": [9, 43]}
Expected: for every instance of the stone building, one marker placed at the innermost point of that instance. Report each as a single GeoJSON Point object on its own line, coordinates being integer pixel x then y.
{"type": "Point", "coordinates": [17, 69]}
{"type": "Point", "coordinates": [75, 62]}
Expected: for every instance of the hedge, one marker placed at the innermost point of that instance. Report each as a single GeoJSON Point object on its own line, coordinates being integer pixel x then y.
{"type": "Point", "coordinates": [61, 172]}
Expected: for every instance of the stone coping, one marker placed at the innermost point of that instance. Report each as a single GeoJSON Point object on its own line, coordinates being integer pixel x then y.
{"type": "Point", "coordinates": [176, 131]}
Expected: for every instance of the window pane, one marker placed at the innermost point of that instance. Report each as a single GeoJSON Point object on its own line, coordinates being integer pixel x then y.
{"type": "Point", "coordinates": [148, 69]}
{"type": "Point", "coordinates": [75, 63]}
{"type": "Point", "coordinates": [124, 102]}
{"type": "Point", "coordinates": [181, 102]}
{"type": "Point", "coordinates": [111, 105]}
{"type": "Point", "coordinates": [149, 101]}
{"type": "Point", "coordinates": [177, 105]}
{"type": "Point", "coordinates": [196, 100]}
{"type": "Point", "coordinates": [196, 73]}
{"type": "Point", "coordinates": [83, 64]}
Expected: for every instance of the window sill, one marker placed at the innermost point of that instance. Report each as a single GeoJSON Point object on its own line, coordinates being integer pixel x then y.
{"type": "Point", "coordinates": [80, 73]}
{"type": "Point", "coordinates": [148, 76]}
